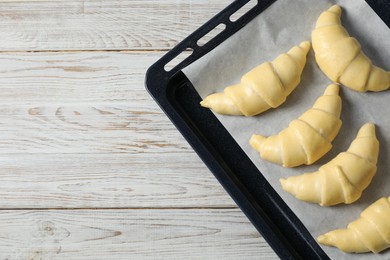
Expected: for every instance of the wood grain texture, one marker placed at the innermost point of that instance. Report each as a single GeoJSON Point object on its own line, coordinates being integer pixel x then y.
{"type": "Point", "coordinates": [83, 102]}
{"type": "Point", "coordinates": [88, 129]}
{"type": "Point", "coordinates": [108, 181]}
{"type": "Point", "coordinates": [130, 234]}
{"type": "Point", "coordinates": [97, 25]}
{"type": "Point", "coordinates": [79, 130]}
{"type": "Point", "coordinates": [59, 77]}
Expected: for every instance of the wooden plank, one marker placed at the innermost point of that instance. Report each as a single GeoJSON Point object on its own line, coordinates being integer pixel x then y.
{"type": "Point", "coordinates": [81, 129]}
{"type": "Point", "coordinates": [35, 78]}
{"type": "Point", "coordinates": [125, 234]}
{"type": "Point", "coordinates": [108, 181]}
{"type": "Point", "coordinates": [96, 25]}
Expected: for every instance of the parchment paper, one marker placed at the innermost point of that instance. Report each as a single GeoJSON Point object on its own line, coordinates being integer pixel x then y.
{"type": "Point", "coordinates": [284, 24]}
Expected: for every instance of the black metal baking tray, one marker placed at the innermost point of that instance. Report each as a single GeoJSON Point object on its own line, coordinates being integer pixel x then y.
{"type": "Point", "coordinates": [234, 170]}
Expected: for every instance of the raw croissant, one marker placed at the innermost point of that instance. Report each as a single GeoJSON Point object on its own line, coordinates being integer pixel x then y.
{"type": "Point", "coordinates": [340, 56]}
{"type": "Point", "coordinates": [371, 232]}
{"type": "Point", "coordinates": [343, 179]}
{"type": "Point", "coordinates": [263, 87]}
{"type": "Point", "coordinates": [307, 138]}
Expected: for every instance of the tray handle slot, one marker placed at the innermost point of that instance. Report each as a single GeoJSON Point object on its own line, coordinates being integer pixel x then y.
{"type": "Point", "coordinates": [176, 60]}
{"type": "Point", "coordinates": [211, 34]}
{"type": "Point", "coordinates": [243, 10]}
{"type": "Point", "coordinates": [191, 42]}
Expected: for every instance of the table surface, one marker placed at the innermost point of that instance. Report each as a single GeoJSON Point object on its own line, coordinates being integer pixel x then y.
{"type": "Point", "coordinates": [90, 166]}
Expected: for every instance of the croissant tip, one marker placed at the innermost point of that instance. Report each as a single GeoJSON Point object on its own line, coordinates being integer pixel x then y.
{"type": "Point", "coordinates": [335, 9]}
{"type": "Point", "coordinates": [367, 129]}
{"type": "Point", "coordinates": [288, 185]}
{"type": "Point", "coordinates": [256, 141]}
{"type": "Point", "coordinates": [283, 182]}
{"type": "Point", "coordinates": [332, 89]}
{"type": "Point", "coordinates": [324, 239]}
{"type": "Point", "coordinates": [305, 46]}
{"type": "Point", "coordinates": [205, 103]}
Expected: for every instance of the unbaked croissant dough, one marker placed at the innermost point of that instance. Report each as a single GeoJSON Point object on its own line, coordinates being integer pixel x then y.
{"type": "Point", "coordinates": [307, 138]}
{"type": "Point", "coordinates": [343, 179]}
{"type": "Point", "coordinates": [371, 232]}
{"type": "Point", "coordinates": [340, 56]}
{"type": "Point", "coordinates": [263, 87]}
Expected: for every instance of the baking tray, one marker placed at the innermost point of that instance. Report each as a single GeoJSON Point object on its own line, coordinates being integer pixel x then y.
{"type": "Point", "coordinates": [177, 97]}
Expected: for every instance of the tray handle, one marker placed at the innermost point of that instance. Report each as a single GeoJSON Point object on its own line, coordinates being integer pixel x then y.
{"type": "Point", "coordinates": [191, 42]}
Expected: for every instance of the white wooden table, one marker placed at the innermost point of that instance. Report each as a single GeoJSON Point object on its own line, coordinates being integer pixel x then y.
{"type": "Point", "coordinates": [90, 168]}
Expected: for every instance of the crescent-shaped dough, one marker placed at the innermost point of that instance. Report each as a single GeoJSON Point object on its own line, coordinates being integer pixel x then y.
{"type": "Point", "coordinates": [340, 56]}
{"type": "Point", "coordinates": [307, 138]}
{"type": "Point", "coordinates": [371, 232]}
{"type": "Point", "coordinates": [343, 179]}
{"type": "Point", "coordinates": [263, 87]}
